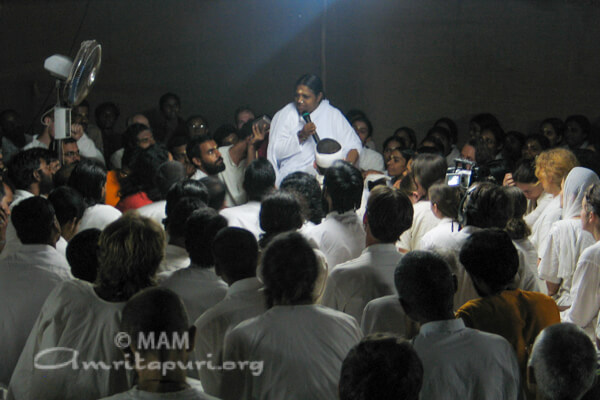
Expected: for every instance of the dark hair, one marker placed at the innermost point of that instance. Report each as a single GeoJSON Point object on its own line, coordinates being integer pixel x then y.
{"type": "Point", "coordinates": [176, 141]}
{"type": "Point", "coordinates": [557, 125]}
{"type": "Point", "coordinates": [235, 252]}
{"type": "Point", "coordinates": [222, 132]}
{"type": "Point", "coordinates": [186, 188]}
{"type": "Point", "coordinates": [308, 191]}
{"type": "Point", "coordinates": [484, 120]}
{"type": "Point", "coordinates": [289, 270]}
{"type": "Point", "coordinates": [487, 206]}
{"type": "Point", "coordinates": [343, 183]}
{"type": "Point", "coordinates": [525, 172]}
{"type": "Point", "coordinates": [541, 139]}
{"type": "Point", "coordinates": [446, 198]}
{"type": "Point", "coordinates": [424, 282]}
{"type": "Point", "coordinates": [441, 131]}
{"type": "Point", "coordinates": [389, 213]}
{"type": "Point", "coordinates": [240, 110]}
{"type": "Point", "coordinates": [82, 254]}
{"type": "Point", "coordinates": [259, 179]}
{"type": "Point", "coordinates": [328, 146]}
{"type": "Point", "coordinates": [175, 224]}
{"type": "Point", "coordinates": [497, 131]}
{"type": "Point", "coordinates": [216, 192]}
{"type": "Point", "coordinates": [33, 219]}
{"type": "Point", "coordinates": [365, 120]}
{"type": "Point", "coordinates": [200, 230]}
{"type": "Point", "coordinates": [451, 126]}
{"type": "Point", "coordinates": [279, 212]}
{"type": "Point", "coordinates": [592, 198]}
{"type": "Point", "coordinates": [490, 256]}
{"type": "Point", "coordinates": [582, 121]}
{"type": "Point", "coordinates": [197, 116]}
{"type": "Point", "coordinates": [164, 97]}
{"type": "Point", "coordinates": [437, 148]}
{"type": "Point", "coordinates": [130, 136]}
{"type": "Point", "coordinates": [246, 130]}
{"type": "Point", "coordinates": [382, 367]}
{"type": "Point", "coordinates": [516, 227]}
{"type": "Point", "coordinates": [312, 81]}
{"type": "Point", "coordinates": [89, 179]}
{"type": "Point", "coordinates": [142, 172]}
{"type": "Point", "coordinates": [411, 134]}
{"type": "Point", "coordinates": [168, 174]}
{"type": "Point", "coordinates": [429, 169]}
{"type": "Point", "coordinates": [193, 147]}
{"type": "Point", "coordinates": [68, 204]}
{"type": "Point", "coordinates": [21, 168]}
{"type": "Point", "coordinates": [394, 138]}
{"type": "Point", "coordinates": [106, 105]}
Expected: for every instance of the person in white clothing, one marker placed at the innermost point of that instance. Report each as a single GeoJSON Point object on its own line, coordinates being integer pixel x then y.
{"type": "Point", "coordinates": [427, 169]}
{"type": "Point", "coordinates": [444, 201]}
{"type": "Point", "coordinates": [203, 153]}
{"type": "Point", "coordinates": [369, 160]}
{"type": "Point", "coordinates": [198, 285]}
{"type": "Point", "coordinates": [524, 178]}
{"type": "Point", "coordinates": [85, 317]}
{"type": "Point", "coordinates": [351, 285]}
{"type": "Point", "coordinates": [340, 236]}
{"type": "Point", "coordinates": [159, 313]}
{"type": "Point", "coordinates": [236, 256]}
{"type": "Point", "coordinates": [301, 345]}
{"type": "Point", "coordinates": [69, 207]}
{"type": "Point", "coordinates": [259, 180]}
{"type": "Point", "coordinates": [458, 362]}
{"type": "Point", "coordinates": [168, 174]}
{"type": "Point", "coordinates": [567, 239]}
{"type": "Point", "coordinates": [307, 190]}
{"type": "Point", "coordinates": [89, 179]}
{"type": "Point", "coordinates": [27, 277]}
{"type": "Point", "coordinates": [297, 126]}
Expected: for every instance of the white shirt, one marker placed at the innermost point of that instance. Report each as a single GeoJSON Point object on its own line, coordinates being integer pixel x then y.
{"type": "Point", "coordinates": [528, 258]}
{"type": "Point", "coordinates": [26, 278]}
{"type": "Point", "coordinates": [88, 149]}
{"type": "Point", "coordinates": [370, 160]}
{"type": "Point", "coordinates": [566, 241]}
{"type": "Point", "coordinates": [454, 153]}
{"type": "Point", "coordinates": [351, 285]}
{"type": "Point", "coordinates": [445, 227]}
{"type": "Point", "coordinates": [199, 289]}
{"type": "Point", "coordinates": [233, 178]}
{"type": "Point", "coordinates": [61, 246]}
{"type": "Point", "coordinates": [98, 216]}
{"type": "Point", "coordinates": [463, 363]}
{"type": "Point", "coordinates": [175, 259]}
{"type": "Point", "coordinates": [72, 317]}
{"type": "Point", "coordinates": [302, 348]}
{"type": "Point", "coordinates": [541, 227]}
{"type": "Point", "coordinates": [194, 392]}
{"type": "Point", "coordinates": [423, 221]}
{"type": "Point", "coordinates": [585, 291]}
{"type": "Point", "coordinates": [541, 203]}
{"type": "Point", "coordinates": [246, 216]}
{"type": "Point", "coordinates": [155, 211]}
{"type": "Point", "coordinates": [199, 174]}
{"type": "Point", "coordinates": [244, 300]}
{"type": "Point", "coordinates": [116, 160]}
{"type": "Point", "coordinates": [35, 143]}
{"type": "Point", "coordinates": [12, 240]}
{"type": "Point", "coordinates": [285, 151]}
{"type": "Point", "coordinates": [386, 314]}
{"type": "Point", "coordinates": [340, 237]}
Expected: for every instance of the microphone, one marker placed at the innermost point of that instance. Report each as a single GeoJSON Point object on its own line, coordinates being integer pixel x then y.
{"type": "Point", "coordinates": [306, 117]}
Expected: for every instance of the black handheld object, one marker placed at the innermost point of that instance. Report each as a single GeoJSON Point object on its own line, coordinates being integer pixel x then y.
{"type": "Point", "coordinates": [306, 117]}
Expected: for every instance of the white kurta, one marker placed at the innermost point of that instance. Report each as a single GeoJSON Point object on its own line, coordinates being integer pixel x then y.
{"type": "Point", "coordinates": [73, 317]}
{"type": "Point", "coordinates": [244, 300]}
{"type": "Point", "coordinates": [540, 204]}
{"type": "Point", "coordinates": [463, 363]}
{"type": "Point", "coordinates": [88, 149]}
{"type": "Point", "coordinates": [340, 237]}
{"type": "Point", "coordinates": [199, 289]}
{"type": "Point", "coordinates": [351, 285]}
{"type": "Point", "coordinates": [26, 278]}
{"type": "Point", "coordinates": [194, 392]}
{"type": "Point", "coordinates": [370, 160]}
{"type": "Point", "coordinates": [423, 221]}
{"type": "Point", "coordinates": [386, 314]}
{"type": "Point", "coordinates": [445, 227]}
{"type": "Point", "coordinates": [285, 151]}
{"type": "Point", "coordinates": [154, 211]}
{"type": "Point", "coordinates": [301, 347]}
{"type": "Point", "coordinates": [98, 216]}
{"type": "Point", "coordinates": [246, 216]}
{"type": "Point", "coordinates": [541, 228]}
{"type": "Point", "coordinates": [233, 178]}
{"type": "Point", "coordinates": [176, 258]}
{"type": "Point", "coordinates": [198, 175]}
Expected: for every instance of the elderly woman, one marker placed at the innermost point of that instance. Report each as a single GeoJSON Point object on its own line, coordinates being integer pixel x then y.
{"type": "Point", "coordinates": [79, 321]}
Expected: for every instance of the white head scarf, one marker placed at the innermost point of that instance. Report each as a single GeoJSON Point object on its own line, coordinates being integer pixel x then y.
{"type": "Point", "coordinates": [577, 182]}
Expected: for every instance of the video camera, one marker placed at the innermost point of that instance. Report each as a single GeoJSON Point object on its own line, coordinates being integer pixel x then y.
{"type": "Point", "coordinates": [464, 173]}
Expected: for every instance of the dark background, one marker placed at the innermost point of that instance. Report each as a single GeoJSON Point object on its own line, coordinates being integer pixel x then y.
{"type": "Point", "coordinates": [404, 62]}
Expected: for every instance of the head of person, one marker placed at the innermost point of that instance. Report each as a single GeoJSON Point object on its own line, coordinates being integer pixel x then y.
{"type": "Point", "coordinates": [428, 169]}
{"type": "Point", "coordinates": [177, 147]}
{"type": "Point", "coordinates": [197, 125]}
{"type": "Point", "coordinates": [242, 115]}
{"type": "Point", "coordinates": [186, 188]}
{"type": "Point", "coordinates": [175, 222]}
{"type": "Point", "coordinates": [308, 93]}
{"type": "Point", "coordinates": [445, 200]}
{"type": "Point", "coordinates": [142, 168]}
{"type": "Point", "coordinates": [259, 179]}
{"type": "Point", "coordinates": [516, 227]}
{"type": "Point", "coordinates": [390, 144]}
{"type": "Point", "coordinates": [12, 127]}
{"type": "Point", "coordinates": [573, 190]}
{"type": "Point", "coordinates": [28, 170]}
{"type": "Point", "coordinates": [70, 151]}
{"type": "Point", "coordinates": [168, 174]}
{"type": "Point", "coordinates": [409, 188]}
{"type": "Point", "coordinates": [308, 192]}
{"type": "Point", "coordinates": [513, 146]}
{"type": "Point", "coordinates": [107, 115]}
{"type": "Point", "coordinates": [138, 135]}
{"type": "Point", "coordinates": [590, 210]}
{"type": "Point", "coordinates": [469, 152]}
{"type": "Point", "coordinates": [389, 213]}
{"type": "Point", "coordinates": [203, 153]}
{"type": "Point", "coordinates": [200, 230]}
{"type": "Point", "coordinates": [89, 179]}
{"type": "Point", "coordinates": [525, 179]}
{"type": "Point", "coordinates": [328, 151]}
{"type": "Point", "coordinates": [69, 207]}
{"type": "Point", "coordinates": [443, 136]}
{"type": "Point", "coordinates": [485, 205]}
{"type": "Point", "coordinates": [342, 187]}
{"type": "Point", "coordinates": [82, 254]}
{"type": "Point", "coordinates": [450, 125]}
{"type": "Point", "coordinates": [490, 142]}
{"type": "Point", "coordinates": [279, 212]}
{"type": "Point", "coordinates": [425, 286]}
{"type": "Point", "coordinates": [138, 119]}
{"type": "Point", "coordinates": [552, 166]}
{"type": "Point", "coordinates": [553, 129]}
{"type": "Point", "coordinates": [383, 367]}
{"type": "Point", "coordinates": [129, 252]}
{"type": "Point", "coordinates": [562, 364]}
{"type": "Point", "coordinates": [80, 114]}
{"type": "Point", "coordinates": [408, 137]}
{"type": "Point", "coordinates": [235, 253]}
{"type": "Point", "coordinates": [169, 105]}
{"type": "Point", "coordinates": [48, 121]}
{"type": "Point", "coordinates": [398, 162]}
{"type": "Point", "coordinates": [157, 312]}
{"type": "Point", "coordinates": [534, 145]}
{"type": "Point", "coordinates": [35, 221]}
{"type": "Point", "coordinates": [216, 192]}
{"type": "Point", "coordinates": [431, 145]}
{"type": "Point", "coordinates": [289, 270]}
{"type": "Point", "coordinates": [363, 128]}
{"type": "Point", "coordinates": [577, 130]}
{"type": "Point", "coordinates": [491, 259]}
{"type": "Point", "coordinates": [226, 134]}
{"type": "Point", "coordinates": [479, 122]}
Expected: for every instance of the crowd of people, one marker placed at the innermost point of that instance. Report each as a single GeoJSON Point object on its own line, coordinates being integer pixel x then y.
{"type": "Point", "coordinates": [289, 258]}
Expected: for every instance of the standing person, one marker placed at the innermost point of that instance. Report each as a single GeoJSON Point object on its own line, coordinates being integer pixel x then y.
{"type": "Point", "coordinates": [291, 148]}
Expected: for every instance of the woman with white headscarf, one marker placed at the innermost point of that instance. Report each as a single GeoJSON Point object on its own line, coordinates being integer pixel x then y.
{"type": "Point", "coordinates": [566, 239]}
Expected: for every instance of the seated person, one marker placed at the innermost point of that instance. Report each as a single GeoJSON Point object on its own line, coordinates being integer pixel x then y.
{"type": "Point", "coordinates": [69, 207]}
{"type": "Point", "coordinates": [216, 192]}
{"type": "Point", "coordinates": [368, 160]}
{"type": "Point", "coordinates": [82, 254]}
{"type": "Point", "coordinates": [444, 201]}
